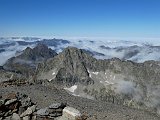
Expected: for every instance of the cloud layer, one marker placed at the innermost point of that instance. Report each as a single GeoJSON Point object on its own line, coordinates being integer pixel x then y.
{"type": "Point", "coordinates": [101, 49]}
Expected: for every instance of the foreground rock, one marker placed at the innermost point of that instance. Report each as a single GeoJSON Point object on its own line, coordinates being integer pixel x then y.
{"type": "Point", "coordinates": [18, 107]}
{"type": "Point", "coordinates": [12, 106]}
{"type": "Point", "coordinates": [15, 116]}
{"type": "Point", "coordinates": [53, 111]}
{"type": "Point", "coordinates": [70, 113]}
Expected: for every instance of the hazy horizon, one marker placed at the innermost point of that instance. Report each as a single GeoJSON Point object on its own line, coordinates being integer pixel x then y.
{"type": "Point", "coordinates": [152, 41]}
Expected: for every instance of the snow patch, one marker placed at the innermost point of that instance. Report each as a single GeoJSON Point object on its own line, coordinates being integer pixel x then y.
{"type": "Point", "coordinates": [50, 80]}
{"type": "Point", "coordinates": [90, 75]}
{"type": "Point", "coordinates": [53, 72]}
{"type": "Point", "coordinates": [96, 73]}
{"type": "Point", "coordinates": [76, 95]}
{"type": "Point", "coordinates": [109, 82]}
{"type": "Point", "coordinates": [71, 89]}
{"type": "Point", "coordinates": [101, 81]}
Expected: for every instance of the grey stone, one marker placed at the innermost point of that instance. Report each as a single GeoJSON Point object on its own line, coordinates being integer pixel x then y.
{"type": "Point", "coordinates": [58, 110]}
{"type": "Point", "coordinates": [2, 113]}
{"type": "Point", "coordinates": [10, 101]}
{"type": "Point", "coordinates": [33, 108]}
{"type": "Point", "coordinates": [15, 116]}
{"type": "Point", "coordinates": [55, 105]}
{"type": "Point", "coordinates": [34, 117]}
{"type": "Point", "coordinates": [55, 114]}
{"type": "Point", "coordinates": [26, 118]}
{"type": "Point", "coordinates": [8, 113]}
{"type": "Point", "coordinates": [29, 111]}
{"type": "Point", "coordinates": [26, 102]}
{"type": "Point", "coordinates": [70, 113]}
{"type": "Point", "coordinates": [14, 111]}
{"type": "Point", "coordinates": [40, 117]}
{"type": "Point", "coordinates": [21, 96]}
{"type": "Point", "coordinates": [21, 110]}
{"type": "Point", "coordinates": [7, 118]}
{"type": "Point", "coordinates": [43, 111]}
{"type": "Point", "coordinates": [1, 102]}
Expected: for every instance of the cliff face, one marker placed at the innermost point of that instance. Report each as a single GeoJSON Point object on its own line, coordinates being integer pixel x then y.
{"type": "Point", "coordinates": [68, 66]}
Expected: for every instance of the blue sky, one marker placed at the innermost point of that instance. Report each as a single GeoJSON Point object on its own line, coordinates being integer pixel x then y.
{"type": "Point", "coordinates": [88, 18]}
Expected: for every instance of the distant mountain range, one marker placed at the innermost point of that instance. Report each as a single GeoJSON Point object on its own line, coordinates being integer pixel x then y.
{"type": "Point", "coordinates": [100, 49]}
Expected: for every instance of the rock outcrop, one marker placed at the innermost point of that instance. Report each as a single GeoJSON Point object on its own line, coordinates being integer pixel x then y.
{"type": "Point", "coordinates": [16, 106]}
{"type": "Point", "coordinates": [70, 113]}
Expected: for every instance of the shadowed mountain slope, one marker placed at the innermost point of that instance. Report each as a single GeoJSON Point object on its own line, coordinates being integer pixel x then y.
{"type": "Point", "coordinates": [26, 62]}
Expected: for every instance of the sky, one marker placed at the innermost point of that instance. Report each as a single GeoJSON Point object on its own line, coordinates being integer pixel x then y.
{"type": "Point", "coordinates": [81, 18]}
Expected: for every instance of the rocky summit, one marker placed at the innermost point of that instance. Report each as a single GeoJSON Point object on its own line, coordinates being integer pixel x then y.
{"type": "Point", "coordinates": [18, 106]}
{"type": "Point", "coordinates": [68, 67]}
{"type": "Point", "coordinates": [73, 85]}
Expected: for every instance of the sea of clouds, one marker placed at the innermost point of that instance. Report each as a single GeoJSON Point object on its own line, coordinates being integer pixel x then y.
{"type": "Point", "coordinates": [101, 49]}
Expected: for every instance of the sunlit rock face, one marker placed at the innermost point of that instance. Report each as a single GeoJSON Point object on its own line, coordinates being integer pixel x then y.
{"type": "Point", "coordinates": [70, 113]}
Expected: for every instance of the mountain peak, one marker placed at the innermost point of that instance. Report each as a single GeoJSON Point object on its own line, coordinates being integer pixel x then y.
{"type": "Point", "coordinates": [29, 59]}
{"type": "Point", "coordinates": [69, 66]}
{"type": "Point", "coordinates": [38, 53]}
{"type": "Point", "coordinates": [40, 46]}
{"type": "Point", "coordinates": [72, 50]}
